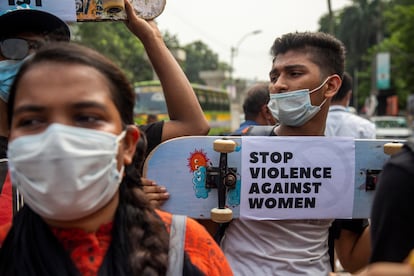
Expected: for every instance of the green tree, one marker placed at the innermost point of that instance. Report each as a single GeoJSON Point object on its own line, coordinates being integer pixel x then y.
{"type": "Point", "coordinates": [399, 19]}
{"type": "Point", "coordinates": [199, 58]}
{"type": "Point", "coordinates": [359, 26]}
{"type": "Point", "coordinates": [368, 27]}
{"type": "Point", "coordinates": [114, 40]}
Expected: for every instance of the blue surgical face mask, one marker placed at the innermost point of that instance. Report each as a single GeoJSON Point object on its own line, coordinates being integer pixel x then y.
{"type": "Point", "coordinates": [8, 71]}
{"type": "Point", "coordinates": [294, 108]}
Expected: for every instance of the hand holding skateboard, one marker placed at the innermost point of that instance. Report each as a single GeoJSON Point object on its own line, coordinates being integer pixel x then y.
{"type": "Point", "coordinates": [104, 10]}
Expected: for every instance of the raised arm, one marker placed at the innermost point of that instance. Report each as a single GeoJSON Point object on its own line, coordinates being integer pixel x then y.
{"type": "Point", "coordinates": [186, 115]}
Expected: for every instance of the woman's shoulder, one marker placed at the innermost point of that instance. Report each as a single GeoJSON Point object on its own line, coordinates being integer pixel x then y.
{"type": "Point", "coordinates": [200, 247]}
{"type": "Point", "coordinates": [192, 226]}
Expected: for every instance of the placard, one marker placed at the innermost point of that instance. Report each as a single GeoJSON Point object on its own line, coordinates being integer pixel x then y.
{"type": "Point", "coordinates": [297, 177]}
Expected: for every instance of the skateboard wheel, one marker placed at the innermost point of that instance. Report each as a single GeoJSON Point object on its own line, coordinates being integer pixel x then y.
{"type": "Point", "coordinates": [113, 6]}
{"type": "Point", "coordinates": [224, 146]}
{"type": "Point", "coordinates": [221, 215]}
{"type": "Point", "coordinates": [391, 148]}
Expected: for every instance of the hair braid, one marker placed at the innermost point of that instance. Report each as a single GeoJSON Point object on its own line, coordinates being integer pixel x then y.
{"type": "Point", "coordinates": [146, 232]}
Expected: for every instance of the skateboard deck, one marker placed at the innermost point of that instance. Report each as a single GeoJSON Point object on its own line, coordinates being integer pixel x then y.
{"type": "Point", "coordinates": [103, 10]}
{"type": "Point", "coordinates": [268, 177]}
{"type": "Point", "coordinates": [88, 10]}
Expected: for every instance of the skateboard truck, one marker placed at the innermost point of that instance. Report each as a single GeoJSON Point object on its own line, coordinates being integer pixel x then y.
{"type": "Point", "coordinates": [226, 179]}
{"type": "Point", "coordinates": [371, 180]}
{"type": "Point", "coordinates": [372, 175]}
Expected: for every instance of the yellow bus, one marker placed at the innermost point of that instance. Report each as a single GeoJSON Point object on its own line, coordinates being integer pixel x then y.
{"type": "Point", "coordinates": [214, 102]}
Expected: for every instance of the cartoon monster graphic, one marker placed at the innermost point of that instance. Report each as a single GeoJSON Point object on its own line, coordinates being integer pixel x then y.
{"type": "Point", "coordinates": [197, 162]}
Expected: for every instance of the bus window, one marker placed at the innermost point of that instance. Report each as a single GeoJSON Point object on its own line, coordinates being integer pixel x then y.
{"type": "Point", "coordinates": [214, 102]}
{"type": "Point", "coordinates": [153, 102]}
{"type": "Point", "coordinates": [149, 100]}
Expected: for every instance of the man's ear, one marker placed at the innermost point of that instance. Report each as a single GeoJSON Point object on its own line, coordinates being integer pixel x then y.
{"type": "Point", "coordinates": [334, 83]}
{"type": "Point", "coordinates": [130, 143]}
{"type": "Point", "coordinates": [264, 111]}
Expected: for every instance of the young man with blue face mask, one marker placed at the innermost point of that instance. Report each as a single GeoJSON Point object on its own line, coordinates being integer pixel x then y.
{"type": "Point", "coordinates": [306, 73]}
{"type": "Point", "coordinates": [24, 30]}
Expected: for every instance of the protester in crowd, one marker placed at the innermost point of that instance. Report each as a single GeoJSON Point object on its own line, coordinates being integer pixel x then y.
{"type": "Point", "coordinates": [350, 236]}
{"type": "Point", "coordinates": [24, 31]}
{"type": "Point", "coordinates": [152, 118]}
{"type": "Point", "coordinates": [392, 217]}
{"type": "Point", "coordinates": [305, 75]}
{"type": "Point", "coordinates": [72, 134]}
{"type": "Point", "coordinates": [177, 92]}
{"type": "Point", "coordinates": [256, 111]}
{"type": "Point", "coordinates": [45, 27]}
{"type": "Point", "coordinates": [341, 122]}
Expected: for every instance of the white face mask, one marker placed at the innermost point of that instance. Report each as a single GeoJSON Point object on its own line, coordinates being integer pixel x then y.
{"type": "Point", "coordinates": [294, 108]}
{"type": "Point", "coordinates": [66, 173]}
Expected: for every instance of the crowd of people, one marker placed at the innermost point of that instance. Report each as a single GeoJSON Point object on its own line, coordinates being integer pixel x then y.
{"type": "Point", "coordinates": [69, 146]}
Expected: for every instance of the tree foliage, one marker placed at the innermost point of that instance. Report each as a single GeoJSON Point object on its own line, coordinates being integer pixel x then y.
{"type": "Point", "coordinates": [114, 40]}
{"type": "Point", "coordinates": [199, 58]}
{"type": "Point", "coordinates": [400, 44]}
{"type": "Point", "coordinates": [365, 26]}
{"type": "Point", "coordinates": [359, 27]}
{"type": "Point", "coordinates": [370, 26]}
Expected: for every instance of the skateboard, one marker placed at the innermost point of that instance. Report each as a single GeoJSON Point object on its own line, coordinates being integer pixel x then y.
{"type": "Point", "coordinates": [269, 178]}
{"type": "Point", "coordinates": [88, 10]}
{"type": "Point", "coordinates": [103, 10]}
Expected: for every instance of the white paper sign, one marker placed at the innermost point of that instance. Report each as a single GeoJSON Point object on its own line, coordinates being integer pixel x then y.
{"type": "Point", "coordinates": [64, 9]}
{"type": "Point", "coordinates": [297, 177]}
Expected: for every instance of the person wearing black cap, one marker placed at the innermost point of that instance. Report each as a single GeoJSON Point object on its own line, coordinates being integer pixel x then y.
{"type": "Point", "coordinates": [22, 31]}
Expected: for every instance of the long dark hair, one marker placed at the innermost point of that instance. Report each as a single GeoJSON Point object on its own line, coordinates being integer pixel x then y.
{"type": "Point", "coordinates": [139, 238]}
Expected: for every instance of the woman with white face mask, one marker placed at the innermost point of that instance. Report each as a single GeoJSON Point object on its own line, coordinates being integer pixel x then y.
{"type": "Point", "coordinates": [71, 154]}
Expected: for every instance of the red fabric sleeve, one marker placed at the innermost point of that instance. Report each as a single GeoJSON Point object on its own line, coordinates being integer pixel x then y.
{"type": "Point", "coordinates": [6, 202]}
{"type": "Point", "coordinates": [4, 229]}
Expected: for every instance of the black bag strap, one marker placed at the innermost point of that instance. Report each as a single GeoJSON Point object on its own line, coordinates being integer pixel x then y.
{"type": "Point", "coordinates": [3, 172]}
{"type": "Point", "coordinates": [3, 161]}
{"type": "Point", "coordinates": [259, 131]}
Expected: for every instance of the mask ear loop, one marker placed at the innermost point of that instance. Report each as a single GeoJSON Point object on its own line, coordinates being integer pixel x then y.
{"type": "Point", "coordinates": [320, 86]}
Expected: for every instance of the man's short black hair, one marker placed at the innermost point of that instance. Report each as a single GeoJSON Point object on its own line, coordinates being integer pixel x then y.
{"type": "Point", "coordinates": [346, 86]}
{"type": "Point", "coordinates": [257, 96]}
{"type": "Point", "coordinates": [325, 50]}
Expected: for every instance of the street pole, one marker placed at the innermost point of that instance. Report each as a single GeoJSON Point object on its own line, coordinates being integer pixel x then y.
{"type": "Point", "coordinates": [235, 106]}
{"type": "Point", "coordinates": [235, 49]}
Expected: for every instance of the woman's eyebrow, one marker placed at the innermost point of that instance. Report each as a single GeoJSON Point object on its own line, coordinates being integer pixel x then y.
{"type": "Point", "coordinates": [28, 108]}
{"type": "Point", "coordinates": [89, 104]}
